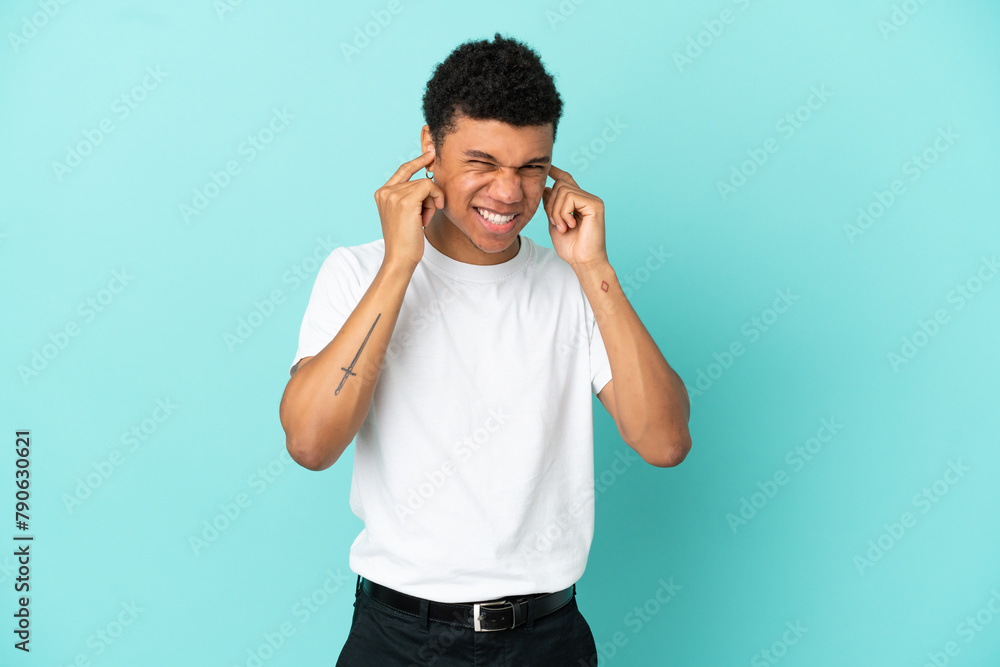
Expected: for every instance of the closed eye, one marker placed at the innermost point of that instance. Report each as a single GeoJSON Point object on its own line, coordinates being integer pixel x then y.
{"type": "Point", "coordinates": [490, 164]}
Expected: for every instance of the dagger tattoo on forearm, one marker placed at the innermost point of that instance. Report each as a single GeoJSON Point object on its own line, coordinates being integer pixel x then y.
{"type": "Point", "coordinates": [350, 369]}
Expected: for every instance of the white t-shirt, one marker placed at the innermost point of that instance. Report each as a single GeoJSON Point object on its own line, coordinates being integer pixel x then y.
{"type": "Point", "coordinates": [474, 468]}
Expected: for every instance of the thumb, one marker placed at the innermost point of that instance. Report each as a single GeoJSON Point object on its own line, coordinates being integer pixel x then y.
{"type": "Point", "coordinates": [429, 208]}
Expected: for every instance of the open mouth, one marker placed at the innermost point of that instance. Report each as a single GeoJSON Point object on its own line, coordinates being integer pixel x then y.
{"type": "Point", "coordinates": [496, 220]}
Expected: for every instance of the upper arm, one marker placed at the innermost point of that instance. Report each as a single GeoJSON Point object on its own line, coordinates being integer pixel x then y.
{"type": "Point", "coordinates": [299, 364]}
{"type": "Point", "coordinates": [333, 298]}
{"type": "Point", "coordinates": [607, 398]}
{"type": "Point", "coordinates": [610, 403]}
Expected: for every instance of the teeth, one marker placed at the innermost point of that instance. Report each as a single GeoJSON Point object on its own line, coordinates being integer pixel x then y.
{"type": "Point", "coordinates": [495, 219]}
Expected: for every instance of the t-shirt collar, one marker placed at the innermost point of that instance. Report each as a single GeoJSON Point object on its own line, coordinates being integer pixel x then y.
{"type": "Point", "coordinates": [477, 272]}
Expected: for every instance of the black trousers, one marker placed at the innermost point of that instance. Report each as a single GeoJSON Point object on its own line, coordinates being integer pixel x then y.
{"type": "Point", "coordinates": [383, 636]}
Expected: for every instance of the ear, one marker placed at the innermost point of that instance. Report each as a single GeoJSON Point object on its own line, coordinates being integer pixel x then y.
{"type": "Point", "coordinates": [425, 140]}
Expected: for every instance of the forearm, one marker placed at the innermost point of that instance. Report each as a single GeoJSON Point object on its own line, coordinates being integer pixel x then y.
{"type": "Point", "coordinates": [651, 401]}
{"type": "Point", "coordinates": [323, 405]}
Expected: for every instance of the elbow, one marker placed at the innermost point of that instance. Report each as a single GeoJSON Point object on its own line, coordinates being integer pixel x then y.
{"type": "Point", "coordinates": [679, 452]}
{"type": "Point", "coordinates": [303, 444]}
{"type": "Point", "coordinates": [304, 456]}
{"type": "Point", "coordinates": [310, 455]}
{"type": "Point", "coordinates": [670, 452]}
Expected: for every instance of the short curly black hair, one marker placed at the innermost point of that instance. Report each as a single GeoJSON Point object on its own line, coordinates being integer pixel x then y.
{"type": "Point", "coordinates": [502, 80]}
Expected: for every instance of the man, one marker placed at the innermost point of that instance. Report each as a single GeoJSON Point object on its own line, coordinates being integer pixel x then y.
{"type": "Point", "coordinates": [464, 358]}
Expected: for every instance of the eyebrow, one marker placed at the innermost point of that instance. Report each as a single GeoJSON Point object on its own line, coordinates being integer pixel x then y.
{"type": "Point", "coordinates": [486, 156]}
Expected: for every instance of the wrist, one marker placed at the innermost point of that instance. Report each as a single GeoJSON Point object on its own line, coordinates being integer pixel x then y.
{"type": "Point", "coordinates": [392, 266]}
{"type": "Point", "coordinates": [591, 266]}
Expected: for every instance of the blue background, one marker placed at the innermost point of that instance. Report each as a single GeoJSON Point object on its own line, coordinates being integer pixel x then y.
{"type": "Point", "coordinates": [893, 76]}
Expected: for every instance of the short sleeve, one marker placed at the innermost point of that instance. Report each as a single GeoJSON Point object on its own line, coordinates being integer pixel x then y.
{"type": "Point", "coordinates": [331, 302]}
{"type": "Point", "coordinates": [600, 367]}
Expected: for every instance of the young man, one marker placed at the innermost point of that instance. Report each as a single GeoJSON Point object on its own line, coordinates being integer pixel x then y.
{"type": "Point", "coordinates": [464, 358]}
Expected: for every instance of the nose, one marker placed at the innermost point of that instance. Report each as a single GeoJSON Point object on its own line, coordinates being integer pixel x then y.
{"type": "Point", "coordinates": [506, 186]}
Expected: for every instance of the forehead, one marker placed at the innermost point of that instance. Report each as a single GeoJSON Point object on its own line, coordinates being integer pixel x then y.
{"type": "Point", "coordinates": [507, 143]}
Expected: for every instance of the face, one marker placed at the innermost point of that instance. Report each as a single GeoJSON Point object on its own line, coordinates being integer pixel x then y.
{"type": "Point", "coordinates": [487, 167]}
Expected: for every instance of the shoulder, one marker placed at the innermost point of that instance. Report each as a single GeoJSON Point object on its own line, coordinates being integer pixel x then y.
{"type": "Point", "coordinates": [547, 264]}
{"type": "Point", "coordinates": [363, 254]}
{"type": "Point", "coordinates": [361, 260]}
{"type": "Point", "coordinates": [545, 259]}
{"type": "Point", "coordinates": [347, 271]}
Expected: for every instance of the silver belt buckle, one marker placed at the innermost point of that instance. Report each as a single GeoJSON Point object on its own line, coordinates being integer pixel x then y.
{"type": "Point", "coordinates": [475, 615]}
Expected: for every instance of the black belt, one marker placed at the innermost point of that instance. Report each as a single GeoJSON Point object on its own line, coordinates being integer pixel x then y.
{"type": "Point", "coordinates": [480, 616]}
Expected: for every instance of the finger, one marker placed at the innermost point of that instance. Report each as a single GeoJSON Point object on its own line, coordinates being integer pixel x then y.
{"type": "Point", "coordinates": [408, 169]}
{"type": "Point", "coordinates": [564, 209]}
{"type": "Point", "coordinates": [547, 199]}
{"type": "Point", "coordinates": [558, 174]}
{"type": "Point", "coordinates": [557, 206]}
{"type": "Point", "coordinates": [428, 211]}
{"type": "Point", "coordinates": [550, 200]}
{"type": "Point", "coordinates": [566, 205]}
{"type": "Point", "coordinates": [410, 194]}
{"type": "Point", "coordinates": [424, 189]}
